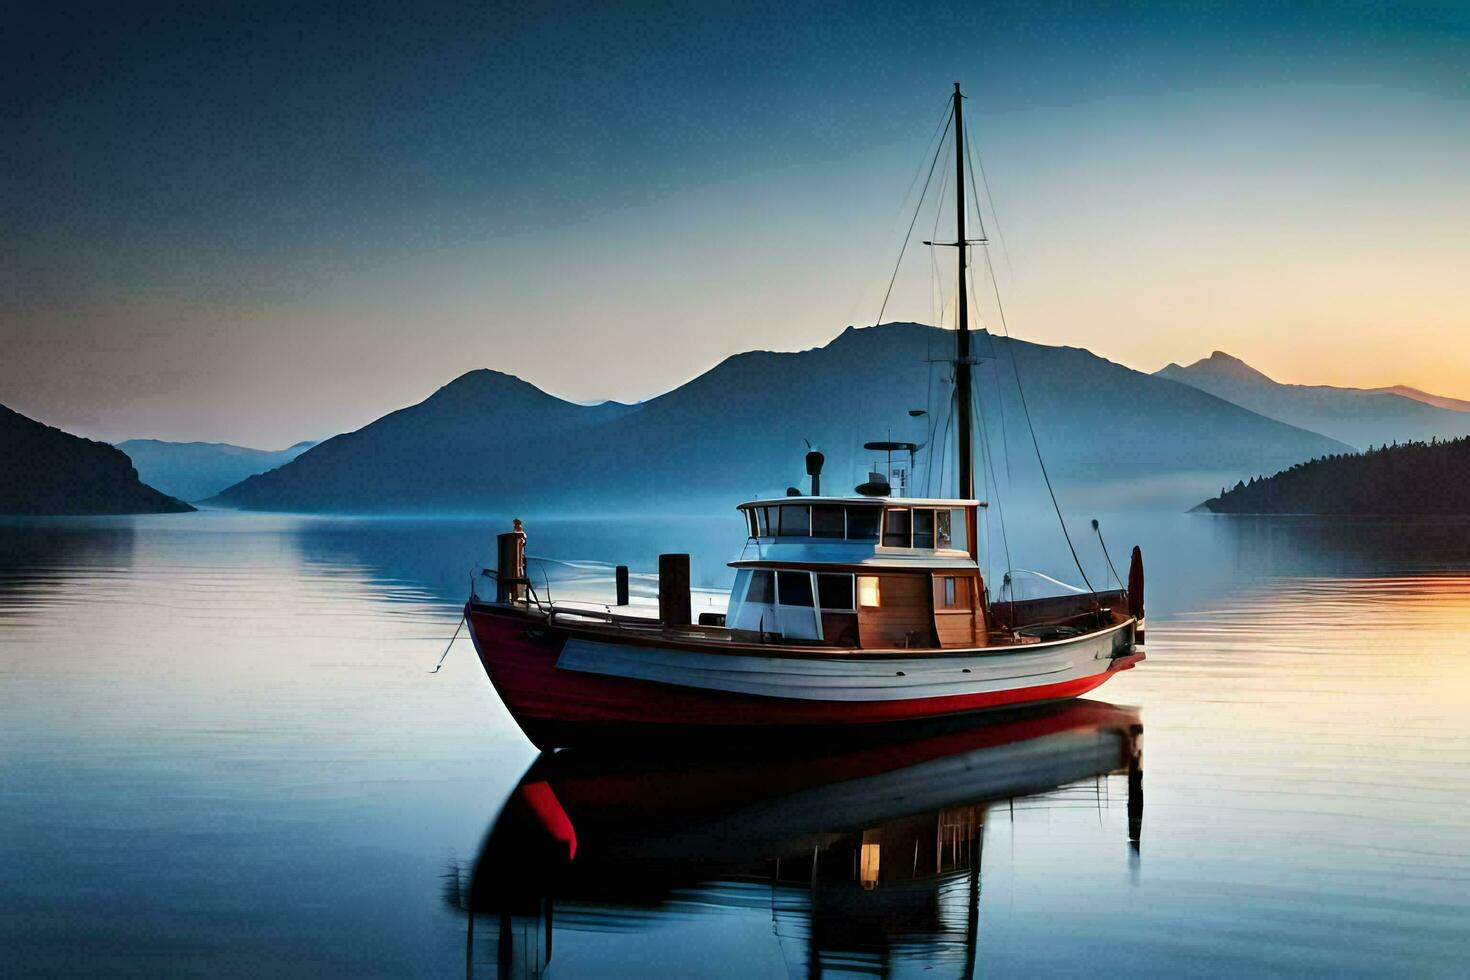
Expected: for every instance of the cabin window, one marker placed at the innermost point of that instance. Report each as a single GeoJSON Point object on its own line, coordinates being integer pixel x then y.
{"type": "Point", "coordinates": [755, 530]}
{"type": "Point", "coordinates": [955, 592]}
{"type": "Point", "coordinates": [834, 592]}
{"type": "Point", "coordinates": [923, 528]}
{"type": "Point", "coordinates": [828, 521]}
{"type": "Point", "coordinates": [869, 861]}
{"type": "Point", "coordinates": [862, 523]}
{"type": "Point", "coordinates": [796, 521]}
{"type": "Point", "coordinates": [896, 529]}
{"type": "Point", "coordinates": [943, 523]}
{"type": "Point", "coordinates": [767, 521]}
{"type": "Point", "coordinates": [762, 588]}
{"type": "Point", "coordinates": [868, 591]}
{"type": "Point", "coordinates": [795, 588]}
{"type": "Point", "coordinates": [959, 530]}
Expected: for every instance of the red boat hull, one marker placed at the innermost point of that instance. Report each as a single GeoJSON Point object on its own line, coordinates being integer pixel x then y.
{"type": "Point", "coordinates": [552, 704]}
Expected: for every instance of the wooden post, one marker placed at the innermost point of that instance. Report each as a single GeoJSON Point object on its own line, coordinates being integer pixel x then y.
{"type": "Point", "coordinates": [673, 590]}
{"type": "Point", "coordinates": [1135, 787]}
{"type": "Point", "coordinates": [510, 566]}
{"type": "Point", "coordinates": [621, 574]}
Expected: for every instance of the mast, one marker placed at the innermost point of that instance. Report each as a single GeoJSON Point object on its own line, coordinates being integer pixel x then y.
{"type": "Point", "coordinates": [962, 360]}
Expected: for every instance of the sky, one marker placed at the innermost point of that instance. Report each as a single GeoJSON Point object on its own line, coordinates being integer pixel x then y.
{"type": "Point", "coordinates": [266, 222]}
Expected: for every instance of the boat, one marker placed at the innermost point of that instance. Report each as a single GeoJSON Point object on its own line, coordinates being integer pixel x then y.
{"type": "Point", "coordinates": [866, 855]}
{"type": "Point", "coordinates": [847, 613]}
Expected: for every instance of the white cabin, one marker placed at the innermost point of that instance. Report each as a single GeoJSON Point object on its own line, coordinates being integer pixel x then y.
{"type": "Point", "coordinates": [872, 572]}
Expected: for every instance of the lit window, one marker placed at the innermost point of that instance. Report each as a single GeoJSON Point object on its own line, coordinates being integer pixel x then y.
{"type": "Point", "coordinates": [868, 591]}
{"type": "Point", "coordinates": [868, 865]}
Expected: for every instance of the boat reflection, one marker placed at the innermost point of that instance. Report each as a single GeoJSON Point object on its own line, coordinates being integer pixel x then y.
{"type": "Point", "coordinates": [869, 858]}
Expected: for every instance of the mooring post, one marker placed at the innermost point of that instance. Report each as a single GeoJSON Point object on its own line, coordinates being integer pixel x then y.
{"type": "Point", "coordinates": [673, 590]}
{"type": "Point", "coordinates": [510, 565]}
{"type": "Point", "coordinates": [1135, 788]}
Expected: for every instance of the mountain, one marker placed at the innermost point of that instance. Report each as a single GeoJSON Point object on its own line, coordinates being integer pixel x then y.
{"type": "Point", "coordinates": [47, 471]}
{"type": "Point", "coordinates": [1410, 479]}
{"type": "Point", "coordinates": [195, 470]}
{"type": "Point", "coordinates": [1439, 401]}
{"type": "Point", "coordinates": [491, 442]}
{"type": "Point", "coordinates": [1359, 417]}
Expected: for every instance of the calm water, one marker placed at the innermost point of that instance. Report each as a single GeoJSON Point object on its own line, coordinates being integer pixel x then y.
{"type": "Point", "coordinates": [222, 751]}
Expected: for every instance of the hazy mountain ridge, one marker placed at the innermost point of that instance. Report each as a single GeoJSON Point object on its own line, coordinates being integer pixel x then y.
{"type": "Point", "coordinates": [195, 470]}
{"type": "Point", "coordinates": [490, 441]}
{"type": "Point", "coordinates": [1415, 478]}
{"type": "Point", "coordinates": [1357, 416]}
{"type": "Point", "coordinates": [44, 470]}
{"type": "Point", "coordinates": [1428, 398]}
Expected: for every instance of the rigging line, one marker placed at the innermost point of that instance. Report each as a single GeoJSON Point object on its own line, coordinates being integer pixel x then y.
{"type": "Point", "coordinates": [937, 280]}
{"type": "Point", "coordinates": [451, 644]}
{"type": "Point", "coordinates": [1025, 408]}
{"type": "Point", "coordinates": [1000, 401]}
{"type": "Point", "coordinates": [910, 233]}
{"type": "Point", "coordinates": [948, 421]}
{"type": "Point", "coordinates": [1098, 528]}
{"type": "Point", "coordinates": [932, 429]}
{"type": "Point", "coordinates": [1000, 513]}
{"type": "Point", "coordinates": [985, 182]}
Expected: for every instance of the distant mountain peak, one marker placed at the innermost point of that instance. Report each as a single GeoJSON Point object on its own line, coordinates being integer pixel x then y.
{"type": "Point", "coordinates": [1228, 365]}
{"type": "Point", "coordinates": [1359, 417]}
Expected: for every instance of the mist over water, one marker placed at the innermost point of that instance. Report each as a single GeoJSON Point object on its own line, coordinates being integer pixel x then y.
{"type": "Point", "coordinates": [225, 753]}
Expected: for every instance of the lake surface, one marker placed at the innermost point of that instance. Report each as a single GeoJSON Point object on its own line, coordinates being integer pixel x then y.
{"type": "Point", "coordinates": [223, 751]}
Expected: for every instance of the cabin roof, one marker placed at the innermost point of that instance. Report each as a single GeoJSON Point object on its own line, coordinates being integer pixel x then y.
{"type": "Point", "coordinates": [871, 501]}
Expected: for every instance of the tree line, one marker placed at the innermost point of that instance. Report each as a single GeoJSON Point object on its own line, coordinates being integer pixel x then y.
{"type": "Point", "coordinates": [1399, 478]}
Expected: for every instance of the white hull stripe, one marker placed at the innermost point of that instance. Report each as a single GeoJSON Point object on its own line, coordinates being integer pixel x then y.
{"type": "Point", "coordinates": [844, 678]}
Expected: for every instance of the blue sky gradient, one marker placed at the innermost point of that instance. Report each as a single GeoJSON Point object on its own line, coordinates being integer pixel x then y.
{"type": "Point", "coordinates": [266, 223]}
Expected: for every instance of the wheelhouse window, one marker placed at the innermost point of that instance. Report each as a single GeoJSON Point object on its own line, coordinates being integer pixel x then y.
{"type": "Point", "coordinates": [834, 591]}
{"type": "Point", "coordinates": [923, 522]}
{"type": "Point", "coordinates": [828, 521]}
{"type": "Point", "coordinates": [833, 521]}
{"type": "Point", "coordinates": [862, 523]}
{"type": "Point", "coordinates": [897, 532]}
{"type": "Point", "coordinates": [796, 521]}
{"type": "Point", "coordinates": [762, 588]}
{"type": "Point", "coordinates": [924, 527]}
{"type": "Point", "coordinates": [794, 588]}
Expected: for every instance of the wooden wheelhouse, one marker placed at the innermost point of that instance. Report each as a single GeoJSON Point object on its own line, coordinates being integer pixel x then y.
{"type": "Point", "coordinates": [860, 572]}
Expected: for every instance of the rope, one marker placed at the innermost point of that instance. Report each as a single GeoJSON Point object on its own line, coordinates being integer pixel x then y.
{"type": "Point", "coordinates": [1098, 528]}
{"type": "Point", "coordinates": [451, 644]}
{"type": "Point", "coordinates": [1000, 513]}
{"type": "Point", "coordinates": [910, 233]}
